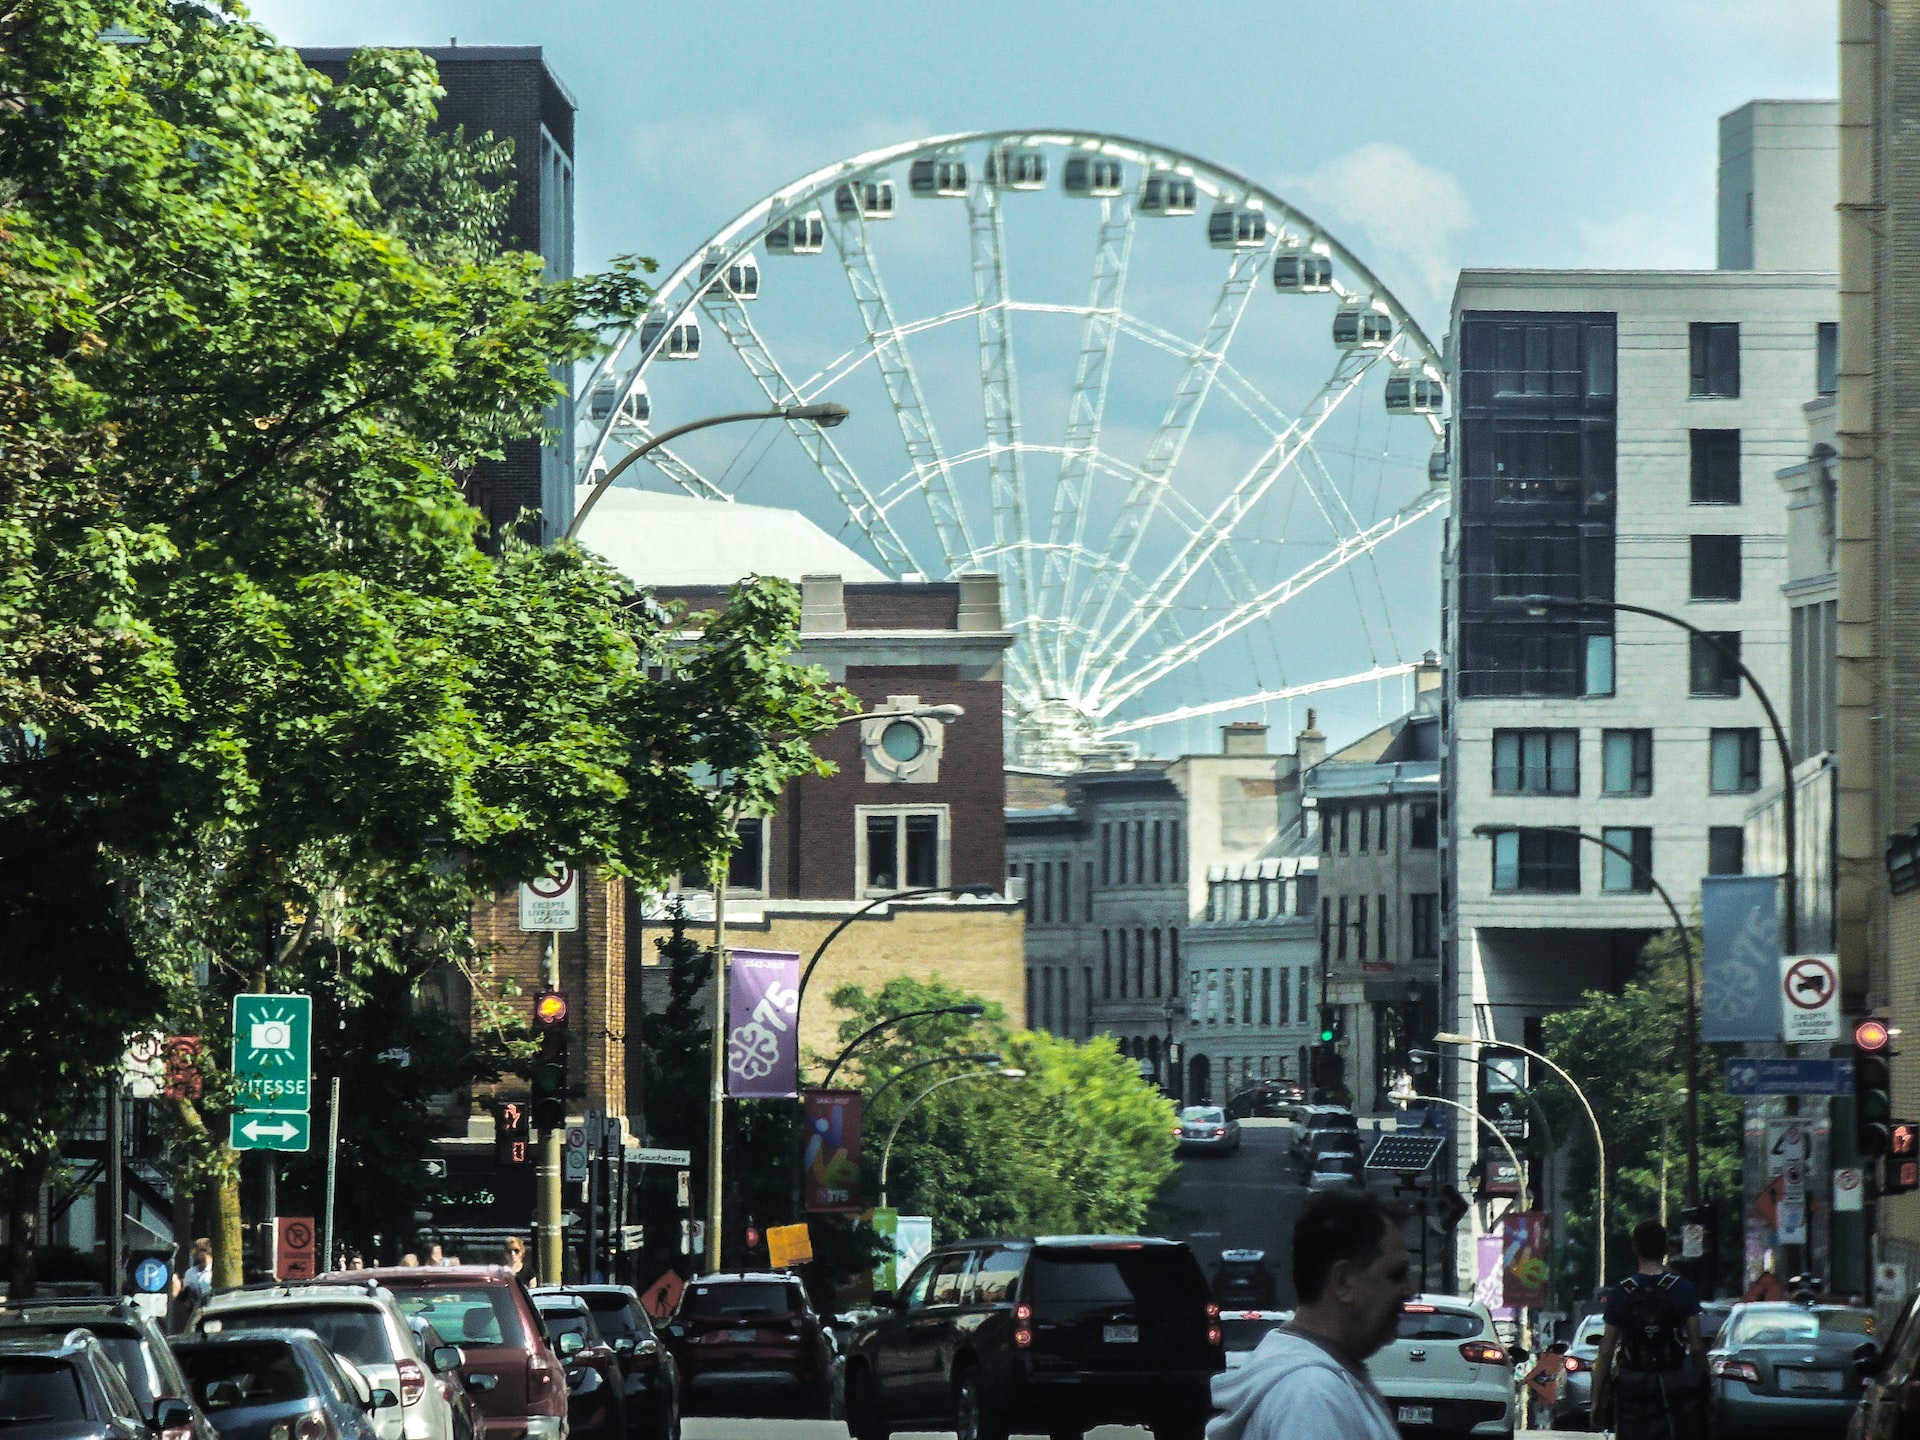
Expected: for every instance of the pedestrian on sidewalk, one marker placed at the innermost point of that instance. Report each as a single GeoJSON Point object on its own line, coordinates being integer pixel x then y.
{"type": "Point", "coordinates": [1650, 1377]}
{"type": "Point", "coordinates": [1308, 1379]}
{"type": "Point", "coordinates": [191, 1288]}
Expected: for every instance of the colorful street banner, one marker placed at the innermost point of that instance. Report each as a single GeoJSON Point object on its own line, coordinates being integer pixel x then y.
{"type": "Point", "coordinates": [1488, 1250]}
{"type": "Point", "coordinates": [1739, 958]}
{"type": "Point", "coordinates": [886, 1224]}
{"type": "Point", "coordinates": [830, 1163]}
{"type": "Point", "coordinates": [763, 1041]}
{"type": "Point", "coordinates": [1523, 1277]}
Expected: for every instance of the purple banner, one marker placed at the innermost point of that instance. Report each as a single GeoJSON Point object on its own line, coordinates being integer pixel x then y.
{"type": "Point", "coordinates": [763, 1005]}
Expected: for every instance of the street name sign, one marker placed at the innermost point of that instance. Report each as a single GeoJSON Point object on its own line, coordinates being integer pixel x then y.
{"type": "Point", "coordinates": [272, 1072]}
{"type": "Point", "coordinates": [1809, 998]}
{"type": "Point", "coordinates": [646, 1156]}
{"type": "Point", "coordinates": [1760, 1075]}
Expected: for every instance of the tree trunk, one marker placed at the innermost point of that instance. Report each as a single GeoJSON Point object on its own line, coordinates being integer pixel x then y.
{"type": "Point", "coordinates": [229, 1271]}
{"type": "Point", "coordinates": [23, 1225]}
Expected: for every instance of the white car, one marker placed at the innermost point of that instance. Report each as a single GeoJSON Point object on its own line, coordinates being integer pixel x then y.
{"type": "Point", "coordinates": [363, 1325]}
{"type": "Point", "coordinates": [1206, 1128]}
{"type": "Point", "coordinates": [1241, 1332]}
{"type": "Point", "coordinates": [1447, 1371]}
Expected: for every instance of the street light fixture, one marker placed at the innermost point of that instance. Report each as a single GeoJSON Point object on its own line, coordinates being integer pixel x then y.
{"type": "Point", "coordinates": [886, 1156]}
{"type": "Point", "coordinates": [971, 1009]}
{"type": "Point", "coordinates": [1446, 1037]}
{"type": "Point", "coordinates": [1519, 1170]}
{"type": "Point", "coordinates": [978, 1057]}
{"type": "Point", "coordinates": [826, 415]}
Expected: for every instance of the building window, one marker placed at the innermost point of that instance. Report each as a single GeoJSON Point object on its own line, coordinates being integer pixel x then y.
{"type": "Point", "coordinates": [1423, 825]}
{"type": "Point", "coordinates": [1423, 933]}
{"type": "Point", "coordinates": [1626, 762]}
{"type": "Point", "coordinates": [1366, 824]}
{"type": "Point", "coordinates": [1173, 961]}
{"type": "Point", "coordinates": [1246, 997]}
{"type": "Point", "coordinates": [1380, 926]}
{"type": "Point", "coordinates": [1286, 997]}
{"type": "Point", "coordinates": [1598, 676]}
{"type": "Point", "coordinates": [1715, 371]}
{"type": "Point", "coordinates": [1716, 567]}
{"type": "Point", "coordinates": [1106, 853]}
{"type": "Point", "coordinates": [1266, 995]}
{"type": "Point", "coordinates": [1536, 762]}
{"type": "Point", "coordinates": [902, 849]}
{"type": "Point", "coordinates": [1228, 1011]}
{"type": "Point", "coordinates": [1086, 894]}
{"type": "Point", "coordinates": [1733, 762]}
{"type": "Point", "coordinates": [1086, 1000]}
{"type": "Point", "coordinates": [1305, 980]}
{"type": "Point", "coordinates": [1711, 663]}
{"type": "Point", "coordinates": [1326, 929]}
{"type": "Point", "coordinates": [1826, 363]}
{"type": "Point", "coordinates": [1120, 853]}
{"type": "Point", "coordinates": [1360, 929]}
{"type": "Point", "coordinates": [1106, 965]}
{"type": "Point", "coordinates": [1385, 845]}
{"type": "Point", "coordinates": [1159, 854]}
{"type": "Point", "coordinates": [1326, 834]}
{"type": "Point", "coordinates": [1343, 829]}
{"type": "Point", "coordinates": [1045, 878]}
{"type": "Point", "coordinates": [1066, 892]}
{"type": "Point", "coordinates": [1179, 860]}
{"type": "Point", "coordinates": [1140, 962]}
{"type": "Point", "coordinates": [1726, 850]}
{"type": "Point", "coordinates": [1139, 852]}
{"type": "Point", "coordinates": [1156, 965]}
{"type": "Point", "coordinates": [1633, 869]}
{"type": "Point", "coordinates": [1340, 941]}
{"type": "Point", "coordinates": [1543, 860]}
{"type": "Point", "coordinates": [747, 865]}
{"type": "Point", "coordinates": [1715, 466]}
{"type": "Point", "coordinates": [1046, 996]}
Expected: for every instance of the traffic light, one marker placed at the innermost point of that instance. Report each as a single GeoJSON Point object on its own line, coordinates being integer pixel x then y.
{"type": "Point", "coordinates": [1903, 1158]}
{"type": "Point", "coordinates": [1872, 1086]}
{"type": "Point", "coordinates": [550, 1067]}
{"type": "Point", "coordinates": [1329, 1024]}
{"type": "Point", "coordinates": [510, 1133]}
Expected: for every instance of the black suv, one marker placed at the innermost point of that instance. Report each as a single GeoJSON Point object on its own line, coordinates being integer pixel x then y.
{"type": "Point", "coordinates": [133, 1341]}
{"type": "Point", "coordinates": [1057, 1334]}
{"type": "Point", "coordinates": [70, 1389]}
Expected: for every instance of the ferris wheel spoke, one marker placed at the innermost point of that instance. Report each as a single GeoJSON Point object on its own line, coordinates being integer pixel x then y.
{"type": "Point", "coordinates": [1247, 702]}
{"type": "Point", "coordinates": [999, 396]}
{"type": "Point", "coordinates": [903, 389]}
{"type": "Point", "coordinates": [736, 326]}
{"type": "Point", "coordinates": [674, 468]}
{"type": "Point", "coordinates": [1118, 692]}
{"type": "Point", "coordinates": [1086, 412]}
{"type": "Point", "coordinates": [1169, 441]}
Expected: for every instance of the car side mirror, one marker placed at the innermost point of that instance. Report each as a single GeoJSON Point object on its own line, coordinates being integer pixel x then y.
{"type": "Point", "coordinates": [382, 1400]}
{"type": "Point", "coordinates": [445, 1358]}
{"type": "Point", "coordinates": [572, 1342]}
{"type": "Point", "coordinates": [677, 1330]}
{"type": "Point", "coordinates": [481, 1384]}
{"type": "Point", "coordinates": [625, 1345]}
{"type": "Point", "coordinates": [172, 1415]}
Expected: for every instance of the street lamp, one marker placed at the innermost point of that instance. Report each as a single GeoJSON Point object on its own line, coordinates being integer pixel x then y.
{"type": "Point", "coordinates": [978, 1057]}
{"type": "Point", "coordinates": [1402, 1096]}
{"type": "Point", "coordinates": [1446, 1037]}
{"type": "Point", "coordinates": [886, 1155]}
{"type": "Point", "coordinates": [976, 892]}
{"type": "Point", "coordinates": [971, 1009]}
{"type": "Point", "coordinates": [1790, 914]}
{"type": "Point", "coordinates": [1176, 1082]}
{"type": "Point", "coordinates": [826, 416]}
{"type": "Point", "coordinates": [1691, 1050]}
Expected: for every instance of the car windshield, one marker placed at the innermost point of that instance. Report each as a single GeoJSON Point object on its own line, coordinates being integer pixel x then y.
{"type": "Point", "coordinates": [615, 1316]}
{"type": "Point", "coordinates": [241, 1374]}
{"type": "Point", "coordinates": [1154, 1278]}
{"type": "Point", "coordinates": [466, 1314]}
{"type": "Point", "coordinates": [1790, 1325]}
{"type": "Point", "coordinates": [566, 1322]}
{"type": "Point", "coordinates": [1244, 1333]}
{"type": "Point", "coordinates": [753, 1297]}
{"type": "Point", "coordinates": [36, 1389]}
{"type": "Point", "coordinates": [1204, 1115]}
{"type": "Point", "coordinates": [355, 1331]}
{"type": "Point", "coordinates": [1430, 1323]}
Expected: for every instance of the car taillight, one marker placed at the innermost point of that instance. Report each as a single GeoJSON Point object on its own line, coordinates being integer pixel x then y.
{"type": "Point", "coordinates": [1219, 1134]}
{"type": "Point", "coordinates": [1176, 1129]}
{"type": "Point", "coordinates": [1574, 1365]}
{"type": "Point", "coordinates": [1213, 1310]}
{"type": "Point", "coordinates": [1483, 1352]}
{"type": "Point", "coordinates": [1726, 1369]}
{"type": "Point", "coordinates": [413, 1381]}
{"type": "Point", "coordinates": [1023, 1313]}
{"type": "Point", "coordinates": [1214, 1336]}
{"type": "Point", "coordinates": [1022, 1337]}
{"type": "Point", "coordinates": [539, 1378]}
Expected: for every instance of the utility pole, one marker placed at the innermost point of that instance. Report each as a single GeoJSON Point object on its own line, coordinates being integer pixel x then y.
{"type": "Point", "coordinates": [551, 1265]}
{"type": "Point", "coordinates": [716, 1113]}
{"type": "Point", "coordinates": [116, 1174]}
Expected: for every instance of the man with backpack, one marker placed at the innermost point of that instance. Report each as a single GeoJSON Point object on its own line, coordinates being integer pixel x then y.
{"type": "Point", "coordinates": [1651, 1373]}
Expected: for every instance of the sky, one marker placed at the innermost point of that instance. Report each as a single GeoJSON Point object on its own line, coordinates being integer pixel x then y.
{"type": "Point", "coordinates": [1429, 138]}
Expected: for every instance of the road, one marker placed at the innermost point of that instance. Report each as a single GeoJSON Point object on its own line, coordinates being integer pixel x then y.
{"type": "Point", "coordinates": [713, 1428]}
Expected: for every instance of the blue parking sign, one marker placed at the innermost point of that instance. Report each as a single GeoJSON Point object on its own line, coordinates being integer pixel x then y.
{"type": "Point", "coordinates": [150, 1276]}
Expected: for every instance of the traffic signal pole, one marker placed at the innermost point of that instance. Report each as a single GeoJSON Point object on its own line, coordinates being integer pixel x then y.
{"type": "Point", "coordinates": [716, 1110]}
{"type": "Point", "coordinates": [551, 1265]}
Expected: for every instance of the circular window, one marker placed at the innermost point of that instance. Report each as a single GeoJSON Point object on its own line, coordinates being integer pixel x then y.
{"type": "Point", "coordinates": [903, 741]}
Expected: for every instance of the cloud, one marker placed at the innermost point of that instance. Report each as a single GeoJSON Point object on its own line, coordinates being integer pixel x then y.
{"type": "Point", "coordinates": [746, 154]}
{"type": "Point", "coordinates": [1639, 241]}
{"type": "Point", "coordinates": [1406, 210]}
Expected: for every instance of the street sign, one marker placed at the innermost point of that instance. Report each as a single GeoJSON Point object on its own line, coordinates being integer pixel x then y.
{"type": "Point", "coordinates": [615, 1134]}
{"type": "Point", "coordinates": [1757, 1075]}
{"type": "Point", "coordinates": [1809, 998]}
{"type": "Point", "coordinates": [632, 1237]}
{"type": "Point", "coordinates": [1792, 1229]}
{"type": "Point", "coordinates": [645, 1156]}
{"type": "Point", "coordinates": [789, 1245]}
{"type": "Point", "coordinates": [143, 1070]}
{"type": "Point", "coordinates": [150, 1276]}
{"type": "Point", "coordinates": [1789, 1142]}
{"type": "Point", "coordinates": [293, 1250]}
{"type": "Point", "coordinates": [269, 1129]}
{"type": "Point", "coordinates": [436, 1168]}
{"type": "Point", "coordinates": [1693, 1241]}
{"type": "Point", "coordinates": [551, 902]}
{"type": "Point", "coordinates": [1849, 1190]}
{"type": "Point", "coordinates": [684, 1189]}
{"type": "Point", "coordinates": [594, 1123]}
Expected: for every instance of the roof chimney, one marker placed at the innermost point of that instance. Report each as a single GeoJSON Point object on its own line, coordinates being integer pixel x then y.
{"type": "Point", "coordinates": [1243, 737]}
{"type": "Point", "coordinates": [1310, 745]}
{"type": "Point", "coordinates": [979, 602]}
{"type": "Point", "coordinates": [823, 604]}
{"type": "Point", "coordinates": [1426, 684]}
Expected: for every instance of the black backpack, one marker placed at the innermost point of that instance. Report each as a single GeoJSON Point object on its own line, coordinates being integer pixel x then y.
{"type": "Point", "coordinates": [1652, 1333]}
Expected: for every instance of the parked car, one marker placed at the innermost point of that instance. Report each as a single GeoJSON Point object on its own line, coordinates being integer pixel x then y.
{"type": "Point", "coordinates": [1336, 1170]}
{"type": "Point", "coordinates": [279, 1385]}
{"type": "Point", "coordinates": [1890, 1404]}
{"type": "Point", "coordinates": [1322, 1117]}
{"type": "Point", "coordinates": [1241, 1332]}
{"type": "Point", "coordinates": [71, 1389]}
{"type": "Point", "coordinates": [360, 1322]}
{"type": "Point", "coordinates": [1573, 1401]}
{"type": "Point", "coordinates": [651, 1375]}
{"type": "Point", "coordinates": [506, 1362]}
{"type": "Point", "coordinates": [1446, 1372]}
{"type": "Point", "coordinates": [1267, 1099]}
{"type": "Point", "coordinates": [1311, 1131]}
{"type": "Point", "coordinates": [1713, 1319]}
{"type": "Point", "coordinates": [752, 1329]}
{"type": "Point", "coordinates": [1316, 1143]}
{"type": "Point", "coordinates": [1205, 1129]}
{"type": "Point", "coordinates": [133, 1341]}
{"type": "Point", "coordinates": [1243, 1280]}
{"type": "Point", "coordinates": [1786, 1368]}
{"type": "Point", "coordinates": [1054, 1334]}
{"type": "Point", "coordinates": [469, 1423]}
{"type": "Point", "coordinates": [596, 1390]}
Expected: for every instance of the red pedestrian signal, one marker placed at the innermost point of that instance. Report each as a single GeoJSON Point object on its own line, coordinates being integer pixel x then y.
{"type": "Point", "coordinates": [1903, 1142]}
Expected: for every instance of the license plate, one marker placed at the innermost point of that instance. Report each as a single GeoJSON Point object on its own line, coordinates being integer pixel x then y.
{"type": "Point", "coordinates": [1415, 1415]}
{"type": "Point", "coordinates": [1120, 1334]}
{"type": "Point", "coordinates": [743, 1337]}
{"type": "Point", "coordinates": [1825, 1381]}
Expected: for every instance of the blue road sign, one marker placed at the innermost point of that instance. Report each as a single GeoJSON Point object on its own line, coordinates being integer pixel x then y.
{"type": "Point", "coordinates": [1760, 1075]}
{"type": "Point", "coordinates": [150, 1276]}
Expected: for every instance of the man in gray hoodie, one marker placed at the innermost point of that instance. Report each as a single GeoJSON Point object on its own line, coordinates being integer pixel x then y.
{"type": "Point", "coordinates": [1308, 1380]}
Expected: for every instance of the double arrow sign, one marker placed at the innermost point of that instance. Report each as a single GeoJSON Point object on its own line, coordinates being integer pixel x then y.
{"type": "Point", "coordinates": [272, 1072]}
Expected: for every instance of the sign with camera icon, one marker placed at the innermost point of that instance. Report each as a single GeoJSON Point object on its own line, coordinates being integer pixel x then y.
{"type": "Point", "coordinates": [272, 1072]}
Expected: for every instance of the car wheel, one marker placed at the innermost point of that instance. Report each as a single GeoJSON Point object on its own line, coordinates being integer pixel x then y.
{"type": "Point", "coordinates": [865, 1421]}
{"type": "Point", "coordinates": [976, 1417]}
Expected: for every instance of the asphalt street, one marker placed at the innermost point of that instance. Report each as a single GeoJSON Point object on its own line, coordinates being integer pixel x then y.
{"type": "Point", "coordinates": [717, 1428]}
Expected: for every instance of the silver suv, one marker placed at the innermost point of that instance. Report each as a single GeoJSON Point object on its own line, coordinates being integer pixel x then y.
{"type": "Point", "coordinates": [363, 1325]}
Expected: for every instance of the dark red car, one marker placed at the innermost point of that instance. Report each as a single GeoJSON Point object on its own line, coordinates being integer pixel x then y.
{"type": "Point", "coordinates": [511, 1370]}
{"type": "Point", "coordinates": [752, 1329]}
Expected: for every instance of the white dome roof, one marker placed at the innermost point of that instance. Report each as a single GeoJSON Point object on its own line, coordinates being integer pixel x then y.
{"type": "Point", "coordinates": [674, 540]}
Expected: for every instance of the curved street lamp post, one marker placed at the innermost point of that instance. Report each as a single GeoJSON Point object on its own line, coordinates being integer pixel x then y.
{"type": "Point", "coordinates": [886, 1155]}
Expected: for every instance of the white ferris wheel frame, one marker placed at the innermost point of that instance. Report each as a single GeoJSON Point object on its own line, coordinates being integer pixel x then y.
{"type": "Point", "coordinates": [1082, 653]}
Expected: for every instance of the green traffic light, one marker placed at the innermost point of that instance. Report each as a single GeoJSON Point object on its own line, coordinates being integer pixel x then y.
{"type": "Point", "coordinates": [1326, 1037]}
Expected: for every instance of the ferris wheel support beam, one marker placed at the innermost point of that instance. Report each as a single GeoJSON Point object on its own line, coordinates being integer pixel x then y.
{"type": "Point", "coordinates": [1246, 702]}
{"type": "Point", "coordinates": [1238, 503]}
{"type": "Point", "coordinates": [677, 470]}
{"type": "Point", "coordinates": [999, 395]}
{"type": "Point", "coordinates": [903, 389]}
{"type": "Point", "coordinates": [1170, 440]}
{"type": "Point", "coordinates": [1349, 549]}
{"type": "Point", "coordinates": [736, 326]}
{"type": "Point", "coordinates": [1086, 411]}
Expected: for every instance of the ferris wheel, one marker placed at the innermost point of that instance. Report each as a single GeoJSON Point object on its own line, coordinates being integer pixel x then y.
{"type": "Point", "coordinates": [1217, 411]}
